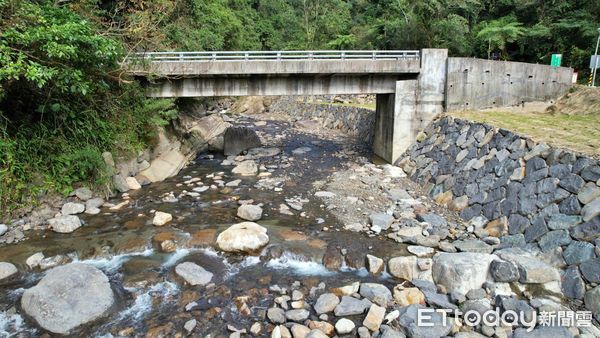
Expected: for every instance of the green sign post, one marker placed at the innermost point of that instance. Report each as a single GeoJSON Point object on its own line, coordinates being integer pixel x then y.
{"type": "Point", "coordinates": [556, 59]}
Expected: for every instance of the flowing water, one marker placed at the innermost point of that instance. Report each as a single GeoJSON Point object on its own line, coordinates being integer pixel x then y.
{"type": "Point", "coordinates": [124, 243]}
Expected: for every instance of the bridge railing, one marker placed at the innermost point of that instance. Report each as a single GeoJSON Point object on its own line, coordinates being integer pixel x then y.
{"type": "Point", "coordinates": [277, 55]}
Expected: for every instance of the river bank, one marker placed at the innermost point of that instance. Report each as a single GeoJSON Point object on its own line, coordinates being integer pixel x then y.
{"type": "Point", "coordinates": [346, 237]}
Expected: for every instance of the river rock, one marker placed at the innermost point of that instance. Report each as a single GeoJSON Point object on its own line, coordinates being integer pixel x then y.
{"type": "Point", "coordinates": [161, 218]}
{"type": "Point", "coordinates": [376, 293]}
{"type": "Point", "coordinates": [3, 229]}
{"type": "Point", "coordinates": [461, 272]}
{"type": "Point", "coordinates": [299, 331]}
{"type": "Point", "coordinates": [326, 303]}
{"type": "Point", "coordinates": [344, 326]}
{"type": "Point", "coordinates": [579, 252]}
{"type": "Point", "coordinates": [193, 273]}
{"type": "Point", "coordinates": [238, 139]}
{"type": "Point", "coordinates": [592, 301]}
{"type": "Point", "coordinates": [381, 220]}
{"type": "Point", "coordinates": [504, 272]}
{"type": "Point", "coordinates": [374, 317]}
{"type": "Point", "coordinates": [316, 334]}
{"type": "Point", "coordinates": [68, 296]}
{"type": "Point", "coordinates": [71, 208]}
{"type": "Point", "coordinates": [246, 168]}
{"type": "Point", "coordinates": [133, 183]}
{"type": "Point", "coordinates": [65, 224]}
{"type": "Point", "coordinates": [531, 269]}
{"type": "Point", "coordinates": [408, 296]}
{"type": "Point", "coordinates": [34, 260]}
{"type": "Point", "coordinates": [297, 315]}
{"type": "Point", "coordinates": [7, 270]}
{"type": "Point", "coordinates": [374, 264]}
{"type": "Point", "coordinates": [590, 270]}
{"type": "Point", "coordinates": [243, 237]}
{"type": "Point", "coordinates": [543, 332]}
{"type": "Point", "coordinates": [83, 193]}
{"type": "Point", "coordinates": [409, 318]}
{"type": "Point", "coordinates": [276, 315]}
{"type": "Point", "coordinates": [591, 209]}
{"type": "Point", "coordinates": [250, 212]}
{"type": "Point", "coordinates": [350, 306]}
{"type": "Point", "coordinates": [572, 285]}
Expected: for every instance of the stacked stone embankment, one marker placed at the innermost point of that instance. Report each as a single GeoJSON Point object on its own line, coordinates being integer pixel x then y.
{"type": "Point", "coordinates": [355, 121]}
{"type": "Point", "coordinates": [530, 195]}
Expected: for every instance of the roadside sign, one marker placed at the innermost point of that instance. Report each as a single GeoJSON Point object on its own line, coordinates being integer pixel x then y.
{"type": "Point", "coordinates": [594, 62]}
{"type": "Point", "coordinates": [556, 59]}
{"type": "Point", "coordinates": [574, 78]}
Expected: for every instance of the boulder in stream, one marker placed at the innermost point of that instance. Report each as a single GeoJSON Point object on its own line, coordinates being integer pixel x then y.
{"type": "Point", "coordinates": [68, 297]}
{"type": "Point", "coordinates": [238, 139]}
{"type": "Point", "coordinates": [243, 237]}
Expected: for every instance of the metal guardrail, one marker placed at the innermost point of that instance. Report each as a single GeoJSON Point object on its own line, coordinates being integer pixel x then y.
{"type": "Point", "coordinates": [277, 55]}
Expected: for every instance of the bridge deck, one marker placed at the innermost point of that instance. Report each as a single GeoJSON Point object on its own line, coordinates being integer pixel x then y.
{"type": "Point", "coordinates": [195, 64]}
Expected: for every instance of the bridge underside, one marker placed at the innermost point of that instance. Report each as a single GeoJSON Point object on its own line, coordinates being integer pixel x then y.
{"type": "Point", "coordinates": [261, 85]}
{"type": "Point", "coordinates": [409, 92]}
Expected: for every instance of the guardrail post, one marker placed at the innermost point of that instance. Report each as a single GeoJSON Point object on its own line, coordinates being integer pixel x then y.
{"type": "Point", "coordinates": [374, 56]}
{"type": "Point", "coordinates": [310, 55]}
{"type": "Point", "coordinates": [343, 55]}
{"type": "Point", "coordinates": [180, 56]}
{"type": "Point", "coordinates": [214, 56]}
{"type": "Point", "coordinates": [278, 56]}
{"type": "Point", "coordinates": [246, 56]}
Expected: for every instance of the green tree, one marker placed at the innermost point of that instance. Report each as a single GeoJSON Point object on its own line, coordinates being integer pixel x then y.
{"type": "Point", "coordinates": [498, 33]}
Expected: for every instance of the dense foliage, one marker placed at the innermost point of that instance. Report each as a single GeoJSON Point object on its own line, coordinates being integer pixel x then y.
{"type": "Point", "coordinates": [64, 99]}
{"type": "Point", "coordinates": [522, 30]}
{"type": "Point", "coordinates": [61, 101]}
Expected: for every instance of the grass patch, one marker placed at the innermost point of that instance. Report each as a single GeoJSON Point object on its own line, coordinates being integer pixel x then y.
{"type": "Point", "coordinates": [577, 132]}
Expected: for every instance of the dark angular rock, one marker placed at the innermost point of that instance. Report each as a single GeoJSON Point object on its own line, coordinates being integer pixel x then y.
{"type": "Point", "coordinates": [590, 270]}
{"type": "Point", "coordinates": [572, 183]}
{"type": "Point", "coordinates": [509, 206]}
{"type": "Point", "coordinates": [547, 185]}
{"type": "Point", "coordinates": [549, 211]}
{"type": "Point", "coordinates": [478, 198]}
{"type": "Point", "coordinates": [471, 211]}
{"type": "Point", "coordinates": [238, 139]}
{"type": "Point", "coordinates": [570, 206]}
{"type": "Point", "coordinates": [534, 164]}
{"type": "Point", "coordinates": [536, 175]}
{"type": "Point", "coordinates": [572, 285]}
{"type": "Point", "coordinates": [512, 304]}
{"type": "Point", "coordinates": [554, 239]}
{"type": "Point", "coordinates": [537, 229]}
{"type": "Point", "coordinates": [504, 271]}
{"type": "Point", "coordinates": [471, 189]}
{"type": "Point", "coordinates": [438, 300]}
{"type": "Point", "coordinates": [517, 224]}
{"type": "Point", "coordinates": [580, 164]}
{"type": "Point", "coordinates": [527, 205]}
{"type": "Point", "coordinates": [560, 170]}
{"type": "Point", "coordinates": [560, 221]}
{"type": "Point", "coordinates": [511, 241]}
{"type": "Point", "coordinates": [591, 173]}
{"type": "Point", "coordinates": [588, 231]}
{"type": "Point", "coordinates": [578, 252]}
{"type": "Point", "coordinates": [492, 210]}
{"type": "Point", "coordinates": [433, 219]}
{"type": "Point", "coordinates": [495, 195]}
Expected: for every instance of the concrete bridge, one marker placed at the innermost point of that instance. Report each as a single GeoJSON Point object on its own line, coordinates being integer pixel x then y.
{"type": "Point", "coordinates": [411, 87]}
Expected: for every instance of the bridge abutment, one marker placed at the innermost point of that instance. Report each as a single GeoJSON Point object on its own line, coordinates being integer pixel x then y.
{"type": "Point", "coordinates": [415, 103]}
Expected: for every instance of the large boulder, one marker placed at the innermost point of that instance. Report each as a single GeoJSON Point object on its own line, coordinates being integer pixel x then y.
{"type": "Point", "coordinates": [193, 273]}
{"type": "Point", "coordinates": [461, 272]}
{"type": "Point", "coordinates": [243, 237]}
{"type": "Point", "coordinates": [7, 270]}
{"type": "Point", "coordinates": [67, 297]}
{"type": "Point", "coordinates": [238, 139]}
{"type": "Point", "coordinates": [65, 224]}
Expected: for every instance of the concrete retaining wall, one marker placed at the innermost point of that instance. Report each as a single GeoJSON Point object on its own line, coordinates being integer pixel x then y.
{"type": "Point", "coordinates": [476, 83]}
{"type": "Point", "coordinates": [355, 121]}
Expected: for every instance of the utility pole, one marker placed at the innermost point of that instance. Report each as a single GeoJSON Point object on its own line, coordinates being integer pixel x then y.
{"type": "Point", "coordinates": [595, 60]}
